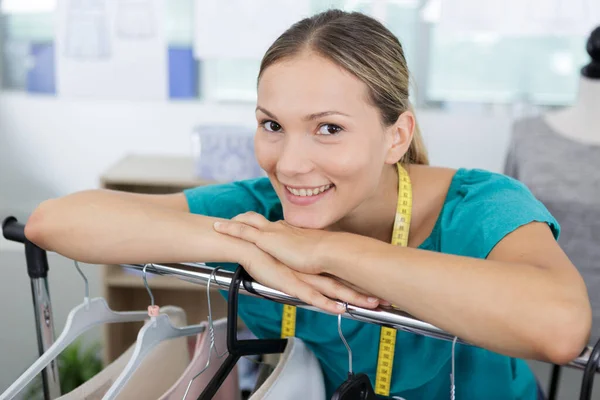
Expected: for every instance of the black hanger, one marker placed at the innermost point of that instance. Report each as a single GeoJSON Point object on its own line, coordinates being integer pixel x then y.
{"type": "Point", "coordinates": [238, 348]}
{"type": "Point", "coordinates": [357, 386]}
{"type": "Point", "coordinates": [592, 70]}
{"type": "Point", "coordinates": [587, 383]}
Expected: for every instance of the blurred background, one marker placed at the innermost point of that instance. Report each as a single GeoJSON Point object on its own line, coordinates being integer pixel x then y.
{"type": "Point", "coordinates": [158, 95]}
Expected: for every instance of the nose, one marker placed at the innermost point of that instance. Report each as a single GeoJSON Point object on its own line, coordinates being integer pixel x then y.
{"type": "Point", "coordinates": [295, 157]}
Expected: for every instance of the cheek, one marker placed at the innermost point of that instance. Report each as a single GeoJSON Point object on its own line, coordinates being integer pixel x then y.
{"type": "Point", "coordinates": [266, 153]}
{"type": "Point", "coordinates": [356, 160]}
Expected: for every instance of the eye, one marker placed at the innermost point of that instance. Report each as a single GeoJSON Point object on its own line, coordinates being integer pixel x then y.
{"type": "Point", "coordinates": [271, 126]}
{"type": "Point", "coordinates": [329, 129]}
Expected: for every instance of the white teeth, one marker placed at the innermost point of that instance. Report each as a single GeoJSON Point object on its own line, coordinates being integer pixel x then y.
{"type": "Point", "coordinates": [308, 192]}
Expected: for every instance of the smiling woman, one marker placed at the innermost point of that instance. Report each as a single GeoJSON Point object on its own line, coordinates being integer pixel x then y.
{"type": "Point", "coordinates": [352, 211]}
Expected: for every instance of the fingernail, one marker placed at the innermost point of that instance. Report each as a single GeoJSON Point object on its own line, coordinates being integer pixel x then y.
{"type": "Point", "coordinates": [340, 307]}
{"type": "Point", "coordinates": [372, 299]}
{"type": "Point", "coordinates": [217, 225]}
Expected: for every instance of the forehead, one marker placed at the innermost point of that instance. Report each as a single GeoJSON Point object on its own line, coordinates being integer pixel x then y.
{"type": "Point", "coordinates": [309, 83]}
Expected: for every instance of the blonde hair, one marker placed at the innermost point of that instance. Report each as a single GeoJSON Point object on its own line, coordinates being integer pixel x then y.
{"type": "Point", "coordinates": [365, 48]}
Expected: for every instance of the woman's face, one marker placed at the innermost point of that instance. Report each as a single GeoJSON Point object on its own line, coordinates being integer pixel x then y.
{"type": "Point", "coordinates": [320, 141]}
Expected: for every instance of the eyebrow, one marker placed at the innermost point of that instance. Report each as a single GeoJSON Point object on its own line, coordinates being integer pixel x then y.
{"type": "Point", "coordinates": [309, 117]}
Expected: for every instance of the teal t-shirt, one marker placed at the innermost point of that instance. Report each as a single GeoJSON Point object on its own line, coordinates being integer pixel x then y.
{"type": "Point", "coordinates": [479, 210]}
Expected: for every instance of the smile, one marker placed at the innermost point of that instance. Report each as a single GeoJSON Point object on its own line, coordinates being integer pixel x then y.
{"type": "Point", "coordinates": [307, 192]}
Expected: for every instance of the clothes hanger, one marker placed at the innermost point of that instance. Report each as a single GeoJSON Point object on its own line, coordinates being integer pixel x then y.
{"type": "Point", "coordinates": [159, 328]}
{"type": "Point", "coordinates": [453, 374]}
{"type": "Point", "coordinates": [90, 313]}
{"type": "Point", "coordinates": [357, 386]}
{"type": "Point", "coordinates": [592, 365]}
{"type": "Point", "coordinates": [238, 348]}
{"type": "Point", "coordinates": [211, 328]}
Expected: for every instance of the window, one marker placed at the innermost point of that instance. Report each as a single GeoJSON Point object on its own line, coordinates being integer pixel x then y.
{"type": "Point", "coordinates": [490, 69]}
{"type": "Point", "coordinates": [447, 67]}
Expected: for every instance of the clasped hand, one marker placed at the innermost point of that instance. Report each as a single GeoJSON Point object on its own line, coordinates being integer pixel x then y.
{"type": "Point", "coordinates": [286, 259]}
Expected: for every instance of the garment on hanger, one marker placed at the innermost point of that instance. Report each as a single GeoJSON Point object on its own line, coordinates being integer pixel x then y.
{"type": "Point", "coordinates": [155, 374]}
{"type": "Point", "coordinates": [564, 174]}
{"type": "Point", "coordinates": [297, 376]}
{"type": "Point", "coordinates": [229, 390]}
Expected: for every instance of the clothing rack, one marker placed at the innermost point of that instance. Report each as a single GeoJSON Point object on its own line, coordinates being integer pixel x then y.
{"type": "Point", "coordinates": [200, 273]}
{"type": "Point", "coordinates": [37, 269]}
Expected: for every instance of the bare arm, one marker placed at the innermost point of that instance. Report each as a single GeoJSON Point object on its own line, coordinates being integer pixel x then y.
{"type": "Point", "coordinates": [527, 300]}
{"type": "Point", "coordinates": [110, 227]}
{"type": "Point", "coordinates": [103, 226]}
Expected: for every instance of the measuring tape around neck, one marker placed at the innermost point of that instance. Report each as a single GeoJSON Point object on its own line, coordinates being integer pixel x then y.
{"type": "Point", "coordinates": [387, 339]}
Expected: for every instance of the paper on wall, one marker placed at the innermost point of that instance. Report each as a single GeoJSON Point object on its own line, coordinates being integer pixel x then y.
{"type": "Point", "coordinates": [111, 49]}
{"type": "Point", "coordinates": [520, 17]}
{"type": "Point", "coordinates": [233, 29]}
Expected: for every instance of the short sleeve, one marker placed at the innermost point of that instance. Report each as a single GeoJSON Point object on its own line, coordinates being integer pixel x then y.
{"type": "Point", "coordinates": [482, 208]}
{"type": "Point", "coordinates": [230, 199]}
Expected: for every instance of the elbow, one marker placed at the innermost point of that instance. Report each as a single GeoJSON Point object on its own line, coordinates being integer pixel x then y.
{"type": "Point", "coordinates": [37, 228]}
{"type": "Point", "coordinates": [569, 334]}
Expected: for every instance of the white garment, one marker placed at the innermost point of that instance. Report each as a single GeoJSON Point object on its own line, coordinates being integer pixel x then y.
{"type": "Point", "coordinates": [297, 376]}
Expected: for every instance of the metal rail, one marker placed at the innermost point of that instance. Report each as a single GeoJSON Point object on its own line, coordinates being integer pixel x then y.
{"type": "Point", "coordinates": [199, 273]}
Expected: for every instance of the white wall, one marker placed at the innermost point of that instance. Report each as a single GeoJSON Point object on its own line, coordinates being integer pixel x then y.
{"type": "Point", "coordinates": [51, 147]}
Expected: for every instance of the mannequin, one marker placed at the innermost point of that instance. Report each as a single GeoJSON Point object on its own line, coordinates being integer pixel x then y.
{"type": "Point", "coordinates": [557, 156]}
{"type": "Point", "coordinates": [581, 122]}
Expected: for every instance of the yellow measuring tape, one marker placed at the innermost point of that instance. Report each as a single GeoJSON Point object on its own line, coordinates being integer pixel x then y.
{"type": "Point", "coordinates": [288, 324]}
{"type": "Point", "coordinates": [387, 339]}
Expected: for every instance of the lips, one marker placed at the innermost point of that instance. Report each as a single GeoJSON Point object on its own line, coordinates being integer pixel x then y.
{"type": "Point", "coordinates": [305, 196]}
{"type": "Point", "coordinates": [309, 191]}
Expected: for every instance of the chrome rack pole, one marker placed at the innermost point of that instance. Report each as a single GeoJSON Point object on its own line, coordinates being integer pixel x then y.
{"type": "Point", "coordinates": [37, 269]}
{"type": "Point", "coordinates": [199, 273]}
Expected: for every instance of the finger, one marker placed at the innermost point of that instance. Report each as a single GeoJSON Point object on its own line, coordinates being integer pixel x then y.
{"type": "Point", "coordinates": [238, 230]}
{"type": "Point", "coordinates": [309, 295]}
{"type": "Point", "coordinates": [253, 219]}
{"type": "Point", "coordinates": [337, 290]}
{"type": "Point", "coordinates": [296, 287]}
{"type": "Point", "coordinates": [282, 278]}
{"type": "Point", "coordinates": [350, 285]}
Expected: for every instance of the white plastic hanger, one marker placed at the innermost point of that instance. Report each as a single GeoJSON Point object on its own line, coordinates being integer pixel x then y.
{"type": "Point", "coordinates": [159, 328]}
{"type": "Point", "coordinates": [211, 327]}
{"type": "Point", "coordinates": [90, 313]}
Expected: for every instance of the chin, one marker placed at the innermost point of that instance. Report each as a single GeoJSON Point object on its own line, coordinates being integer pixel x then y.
{"type": "Point", "coordinates": [306, 220]}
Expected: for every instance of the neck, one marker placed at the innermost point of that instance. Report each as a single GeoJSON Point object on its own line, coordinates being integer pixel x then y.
{"type": "Point", "coordinates": [588, 97]}
{"type": "Point", "coordinates": [375, 217]}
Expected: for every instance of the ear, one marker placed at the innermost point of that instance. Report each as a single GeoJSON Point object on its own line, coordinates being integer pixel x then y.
{"type": "Point", "coordinates": [400, 136]}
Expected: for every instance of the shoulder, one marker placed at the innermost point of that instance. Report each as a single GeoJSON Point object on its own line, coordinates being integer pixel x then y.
{"type": "Point", "coordinates": [529, 126]}
{"type": "Point", "coordinates": [491, 187]}
{"type": "Point", "coordinates": [226, 200]}
{"type": "Point", "coordinates": [527, 132]}
{"type": "Point", "coordinates": [482, 207]}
